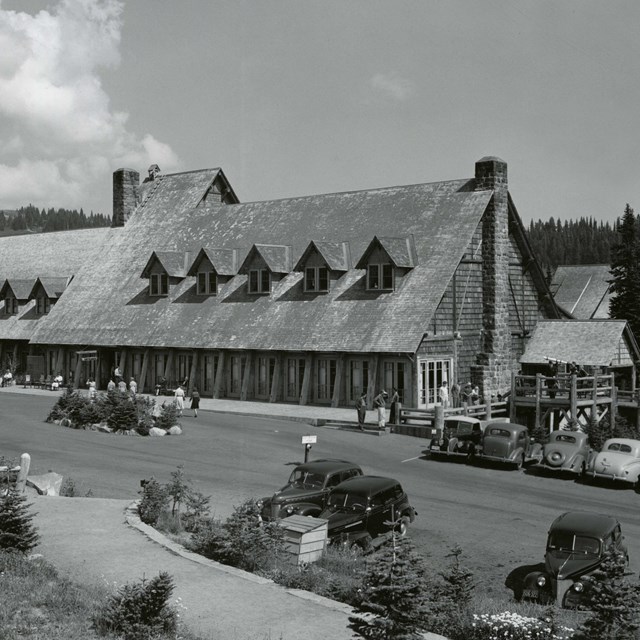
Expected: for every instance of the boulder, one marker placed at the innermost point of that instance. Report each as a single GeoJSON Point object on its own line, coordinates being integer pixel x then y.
{"type": "Point", "coordinates": [47, 484]}
{"type": "Point", "coordinates": [156, 431]}
{"type": "Point", "coordinates": [104, 428]}
{"type": "Point", "coordinates": [65, 422]}
{"type": "Point", "coordinates": [175, 430]}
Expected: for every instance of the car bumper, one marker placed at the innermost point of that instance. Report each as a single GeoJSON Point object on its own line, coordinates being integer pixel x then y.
{"type": "Point", "coordinates": [612, 477]}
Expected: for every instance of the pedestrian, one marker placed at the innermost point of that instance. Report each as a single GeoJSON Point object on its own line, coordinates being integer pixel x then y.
{"type": "Point", "coordinates": [133, 387]}
{"type": "Point", "coordinates": [7, 378]}
{"type": "Point", "coordinates": [122, 386]}
{"type": "Point", "coordinates": [443, 394]}
{"type": "Point", "coordinates": [361, 408]}
{"type": "Point", "coordinates": [195, 401]}
{"type": "Point", "coordinates": [393, 409]}
{"type": "Point", "coordinates": [117, 374]}
{"type": "Point", "coordinates": [111, 386]}
{"type": "Point", "coordinates": [380, 404]}
{"type": "Point", "coordinates": [455, 395]}
{"type": "Point", "coordinates": [161, 384]}
{"type": "Point", "coordinates": [475, 395]}
{"type": "Point", "coordinates": [179, 398]}
{"type": "Point", "coordinates": [91, 383]}
{"type": "Point", "coordinates": [467, 392]}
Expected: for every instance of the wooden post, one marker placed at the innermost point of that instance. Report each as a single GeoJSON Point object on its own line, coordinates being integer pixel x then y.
{"type": "Point", "coordinates": [573, 399]}
{"type": "Point", "coordinates": [219, 376]}
{"type": "Point", "coordinates": [306, 379]}
{"type": "Point", "coordinates": [538, 392]}
{"type": "Point", "coordinates": [244, 393]}
{"type": "Point", "coordinates": [439, 417]}
{"type": "Point", "coordinates": [192, 373]}
{"type": "Point", "coordinates": [15, 355]}
{"type": "Point", "coordinates": [512, 398]}
{"type": "Point", "coordinates": [372, 387]}
{"type": "Point", "coordinates": [143, 371]}
{"type": "Point", "coordinates": [168, 370]}
{"type": "Point", "coordinates": [21, 481]}
{"type": "Point", "coordinates": [398, 412]}
{"type": "Point", "coordinates": [59, 359]}
{"type": "Point", "coordinates": [78, 372]}
{"type": "Point", "coordinates": [337, 386]}
{"type": "Point", "coordinates": [123, 363]}
{"type": "Point", "coordinates": [614, 401]}
{"type": "Point", "coordinates": [487, 402]}
{"type": "Point", "coordinates": [277, 376]}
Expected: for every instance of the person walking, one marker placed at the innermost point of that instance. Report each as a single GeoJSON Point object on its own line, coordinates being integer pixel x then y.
{"type": "Point", "coordinates": [195, 401]}
{"type": "Point", "coordinates": [361, 409]}
{"type": "Point", "coordinates": [133, 387]}
{"type": "Point", "coordinates": [179, 399]}
{"type": "Point", "coordinates": [393, 409]}
{"type": "Point", "coordinates": [443, 394]}
{"type": "Point", "coordinates": [380, 404]}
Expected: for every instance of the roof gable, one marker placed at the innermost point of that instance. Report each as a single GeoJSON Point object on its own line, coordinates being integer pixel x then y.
{"type": "Point", "coordinates": [583, 290]}
{"type": "Point", "coordinates": [336, 255]}
{"type": "Point", "coordinates": [277, 257]}
{"type": "Point", "coordinates": [223, 261]}
{"type": "Point", "coordinates": [401, 251]}
{"type": "Point", "coordinates": [20, 288]}
{"type": "Point", "coordinates": [171, 262]}
{"type": "Point", "coordinates": [52, 287]}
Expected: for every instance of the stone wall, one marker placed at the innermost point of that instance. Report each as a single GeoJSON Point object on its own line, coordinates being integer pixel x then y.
{"type": "Point", "coordinates": [125, 195]}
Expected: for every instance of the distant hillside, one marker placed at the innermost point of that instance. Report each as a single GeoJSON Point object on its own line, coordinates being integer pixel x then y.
{"type": "Point", "coordinates": [30, 219]}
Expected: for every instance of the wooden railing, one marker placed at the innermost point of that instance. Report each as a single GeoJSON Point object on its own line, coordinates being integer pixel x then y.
{"type": "Point", "coordinates": [563, 387]}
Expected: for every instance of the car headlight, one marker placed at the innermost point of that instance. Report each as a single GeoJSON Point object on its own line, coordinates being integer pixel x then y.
{"type": "Point", "coordinates": [541, 581]}
{"type": "Point", "coordinates": [578, 587]}
{"type": "Point", "coordinates": [289, 509]}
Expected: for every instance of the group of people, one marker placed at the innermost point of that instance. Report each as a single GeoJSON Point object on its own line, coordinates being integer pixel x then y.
{"type": "Point", "coordinates": [458, 396]}
{"type": "Point", "coordinates": [380, 405]}
{"type": "Point", "coordinates": [180, 396]}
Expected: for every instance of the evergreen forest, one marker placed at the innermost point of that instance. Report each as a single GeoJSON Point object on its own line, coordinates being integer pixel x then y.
{"type": "Point", "coordinates": [30, 219]}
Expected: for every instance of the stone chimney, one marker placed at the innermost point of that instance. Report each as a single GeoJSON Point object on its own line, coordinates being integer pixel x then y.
{"type": "Point", "coordinates": [493, 370]}
{"type": "Point", "coordinates": [125, 195]}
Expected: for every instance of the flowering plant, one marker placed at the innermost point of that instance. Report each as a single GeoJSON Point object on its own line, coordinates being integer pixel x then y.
{"type": "Point", "coordinates": [513, 626]}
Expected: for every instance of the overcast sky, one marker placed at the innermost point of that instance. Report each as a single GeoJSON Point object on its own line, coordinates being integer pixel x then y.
{"type": "Point", "coordinates": [294, 97]}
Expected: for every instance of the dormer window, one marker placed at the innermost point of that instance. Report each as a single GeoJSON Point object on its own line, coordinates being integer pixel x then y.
{"type": "Point", "coordinates": [43, 305]}
{"type": "Point", "coordinates": [316, 279]}
{"type": "Point", "coordinates": [10, 306]}
{"type": "Point", "coordinates": [259, 281]}
{"type": "Point", "coordinates": [158, 284]}
{"type": "Point", "coordinates": [380, 277]}
{"type": "Point", "coordinates": [207, 283]}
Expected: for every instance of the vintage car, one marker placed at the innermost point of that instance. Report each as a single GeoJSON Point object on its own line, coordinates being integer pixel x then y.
{"type": "Point", "coordinates": [618, 461]}
{"type": "Point", "coordinates": [575, 545]}
{"type": "Point", "coordinates": [307, 490]}
{"type": "Point", "coordinates": [566, 451]}
{"type": "Point", "coordinates": [461, 436]}
{"type": "Point", "coordinates": [508, 443]}
{"type": "Point", "coordinates": [364, 508]}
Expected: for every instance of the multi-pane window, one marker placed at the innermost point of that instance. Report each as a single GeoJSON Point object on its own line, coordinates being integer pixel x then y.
{"type": "Point", "coordinates": [326, 378]}
{"type": "Point", "coordinates": [10, 306]}
{"type": "Point", "coordinates": [380, 277]}
{"type": "Point", "coordinates": [316, 279]}
{"type": "Point", "coordinates": [159, 284]}
{"type": "Point", "coordinates": [359, 374]}
{"type": "Point", "coordinates": [259, 281]}
{"type": "Point", "coordinates": [43, 305]}
{"type": "Point", "coordinates": [207, 283]}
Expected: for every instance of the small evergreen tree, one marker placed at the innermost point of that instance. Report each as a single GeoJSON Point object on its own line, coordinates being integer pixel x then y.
{"type": "Point", "coordinates": [17, 530]}
{"type": "Point", "coordinates": [123, 416]}
{"type": "Point", "coordinates": [155, 500]}
{"type": "Point", "coordinates": [393, 604]}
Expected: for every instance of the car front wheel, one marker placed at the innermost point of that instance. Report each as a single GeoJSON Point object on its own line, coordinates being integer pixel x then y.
{"type": "Point", "coordinates": [403, 526]}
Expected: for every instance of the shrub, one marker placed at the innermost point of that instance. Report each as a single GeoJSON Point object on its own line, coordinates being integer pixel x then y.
{"type": "Point", "coordinates": [513, 626]}
{"type": "Point", "coordinates": [69, 405]}
{"type": "Point", "coordinates": [17, 530]}
{"type": "Point", "coordinates": [140, 610]}
{"type": "Point", "coordinates": [123, 416]}
{"type": "Point", "coordinates": [600, 431]}
{"type": "Point", "coordinates": [155, 500]}
{"type": "Point", "coordinates": [168, 416]}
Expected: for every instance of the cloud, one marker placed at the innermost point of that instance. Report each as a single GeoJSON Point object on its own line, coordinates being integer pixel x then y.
{"type": "Point", "coordinates": [393, 86]}
{"type": "Point", "coordinates": [59, 134]}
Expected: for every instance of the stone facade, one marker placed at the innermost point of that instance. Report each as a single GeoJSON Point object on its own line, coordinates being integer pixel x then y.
{"type": "Point", "coordinates": [125, 195]}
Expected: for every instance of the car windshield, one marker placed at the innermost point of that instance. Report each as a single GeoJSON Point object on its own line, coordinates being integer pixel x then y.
{"type": "Point", "coordinates": [567, 542]}
{"type": "Point", "coordinates": [306, 480]}
{"type": "Point", "coordinates": [465, 429]}
{"type": "Point", "coordinates": [619, 446]}
{"type": "Point", "coordinates": [563, 438]}
{"type": "Point", "coordinates": [501, 433]}
{"type": "Point", "coordinates": [340, 501]}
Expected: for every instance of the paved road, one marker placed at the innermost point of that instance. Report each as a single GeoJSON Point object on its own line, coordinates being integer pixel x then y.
{"type": "Point", "coordinates": [499, 518]}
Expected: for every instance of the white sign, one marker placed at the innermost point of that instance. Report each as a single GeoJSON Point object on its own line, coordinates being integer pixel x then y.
{"type": "Point", "coordinates": [309, 439]}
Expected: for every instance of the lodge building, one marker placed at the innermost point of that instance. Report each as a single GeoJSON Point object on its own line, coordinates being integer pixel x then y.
{"type": "Point", "coordinates": [312, 299]}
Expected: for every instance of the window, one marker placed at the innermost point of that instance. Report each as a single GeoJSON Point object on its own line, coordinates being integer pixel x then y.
{"type": "Point", "coordinates": [380, 277]}
{"type": "Point", "coordinates": [316, 279]}
{"type": "Point", "coordinates": [43, 305]}
{"type": "Point", "coordinates": [10, 306]}
{"type": "Point", "coordinates": [259, 281]}
{"type": "Point", "coordinates": [207, 283]}
{"type": "Point", "coordinates": [159, 284]}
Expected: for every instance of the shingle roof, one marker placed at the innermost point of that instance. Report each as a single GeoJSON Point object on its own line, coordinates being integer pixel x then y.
{"type": "Point", "coordinates": [21, 288]}
{"type": "Point", "coordinates": [53, 287]}
{"type": "Point", "coordinates": [277, 257]}
{"type": "Point", "coordinates": [587, 342]}
{"type": "Point", "coordinates": [335, 254]}
{"type": "Point", "coordinates": [173, 262]}
{"type": "Point", "coordinates": [441, 216]}
{"type": "Point", "coordinates": [401, 251]}
{"type": "Point", "coordinates": [224, 261]}
{"type": "Point", "coordinates": [583, 290]}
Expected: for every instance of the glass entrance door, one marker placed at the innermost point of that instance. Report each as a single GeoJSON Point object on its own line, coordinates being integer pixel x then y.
{"type": "Point", "coordinates": [431, 374]}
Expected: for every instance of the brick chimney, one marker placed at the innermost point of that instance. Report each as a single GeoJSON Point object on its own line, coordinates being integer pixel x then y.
{"type": "Point", "coordinates": [493, 370]}
{"type": "Point", "coordinates": [125, 195]}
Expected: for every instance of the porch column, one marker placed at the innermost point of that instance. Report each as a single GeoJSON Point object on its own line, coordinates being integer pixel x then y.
{"type": "Point", "coordinates": [306, 379]}
{"type": "Point", "coordinates": [123, 362]}
{"type": "Point", "coordinates": [276, 383]}
{"type": "Point", "coordinates": [59, 361]}
{"type": "Point", "coordinates": [219, 376]}
{"type": "Point", "coordinates": [168, 370]}
{"type": "Point", "coordinates": [372, 387]}
{"type": "Point", "coordinates": [337, 386]}
{"type": "Point", "coordinates": [143, 371]}
{"type": "Point", "coordinates": [192, 373]}
{"type": "Point", "coordinates": [78, 372]}
{"type": "Point", "coordinates": [244, 393]}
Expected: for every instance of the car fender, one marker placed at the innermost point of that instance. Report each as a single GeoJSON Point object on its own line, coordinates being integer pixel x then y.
{"type": "Point", "coordinates": [306, 509]}
{"type": "Point", "coordinates": [453, 443]}
{"type": "Point", "coordinates": [410, 513]}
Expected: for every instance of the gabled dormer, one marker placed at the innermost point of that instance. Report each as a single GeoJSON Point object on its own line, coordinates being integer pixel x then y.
{"type": "Point", "coordinates": [321, 263]}
{"type": "Point", "coordinates": [220, 191]}
{"type": "Point", "coordinates": [46, 292]}
{"type": "Point", "coordinates": [15, 293]}
{"type": "Point", "coordinates": [264, 265]}
{"type": "Point", "coordinates": [212, 268]}
{"type": "Point", "coordinates": [386, 260]}
{"type": "Point", "coordinates": [163, 269]}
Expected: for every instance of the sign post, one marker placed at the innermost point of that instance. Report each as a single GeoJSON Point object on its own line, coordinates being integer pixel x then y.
{"type": "Point", "coordinates": [307, 441]}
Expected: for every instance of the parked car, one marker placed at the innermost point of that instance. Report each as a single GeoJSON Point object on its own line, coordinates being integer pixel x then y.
{"type": "Point", "coordinates": [618, 461]}
{"type": "Point", "coordinates": [307, 490]}
{"type": "Point", "coordinates": [362, 509]}
{"type": "Point", "coordinates": [509, 443]}
{"type": "Point", "coordinates": [461, 436]}
{"type": "Point", "coordinates": [576, 544]}
{"type": "Point", "coordinates": [566, 451]}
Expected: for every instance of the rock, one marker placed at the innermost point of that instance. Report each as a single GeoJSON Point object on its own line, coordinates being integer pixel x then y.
{"type": "Point", "coordinates": [175, 431]}
{"type": "Point", "coordinates": [104, 428]}
{"type": "Point", "coordinates": [156, 431]}
{"type": "Point", "coordinates": [65, 422]}
{"type": "Point", "coordinates": [46, 485]}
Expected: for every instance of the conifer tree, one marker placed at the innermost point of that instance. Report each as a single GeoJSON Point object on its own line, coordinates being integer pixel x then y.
{"type": "Point", "coordinates": [17, 531]}
{"type": "Point", "coordinates": [625, 273]}
{"type": "Point", "coordinates": [394, 604]}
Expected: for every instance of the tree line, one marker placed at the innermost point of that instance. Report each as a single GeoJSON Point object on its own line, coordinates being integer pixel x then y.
{"type": "Point", "coordinates": [30, 219]}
